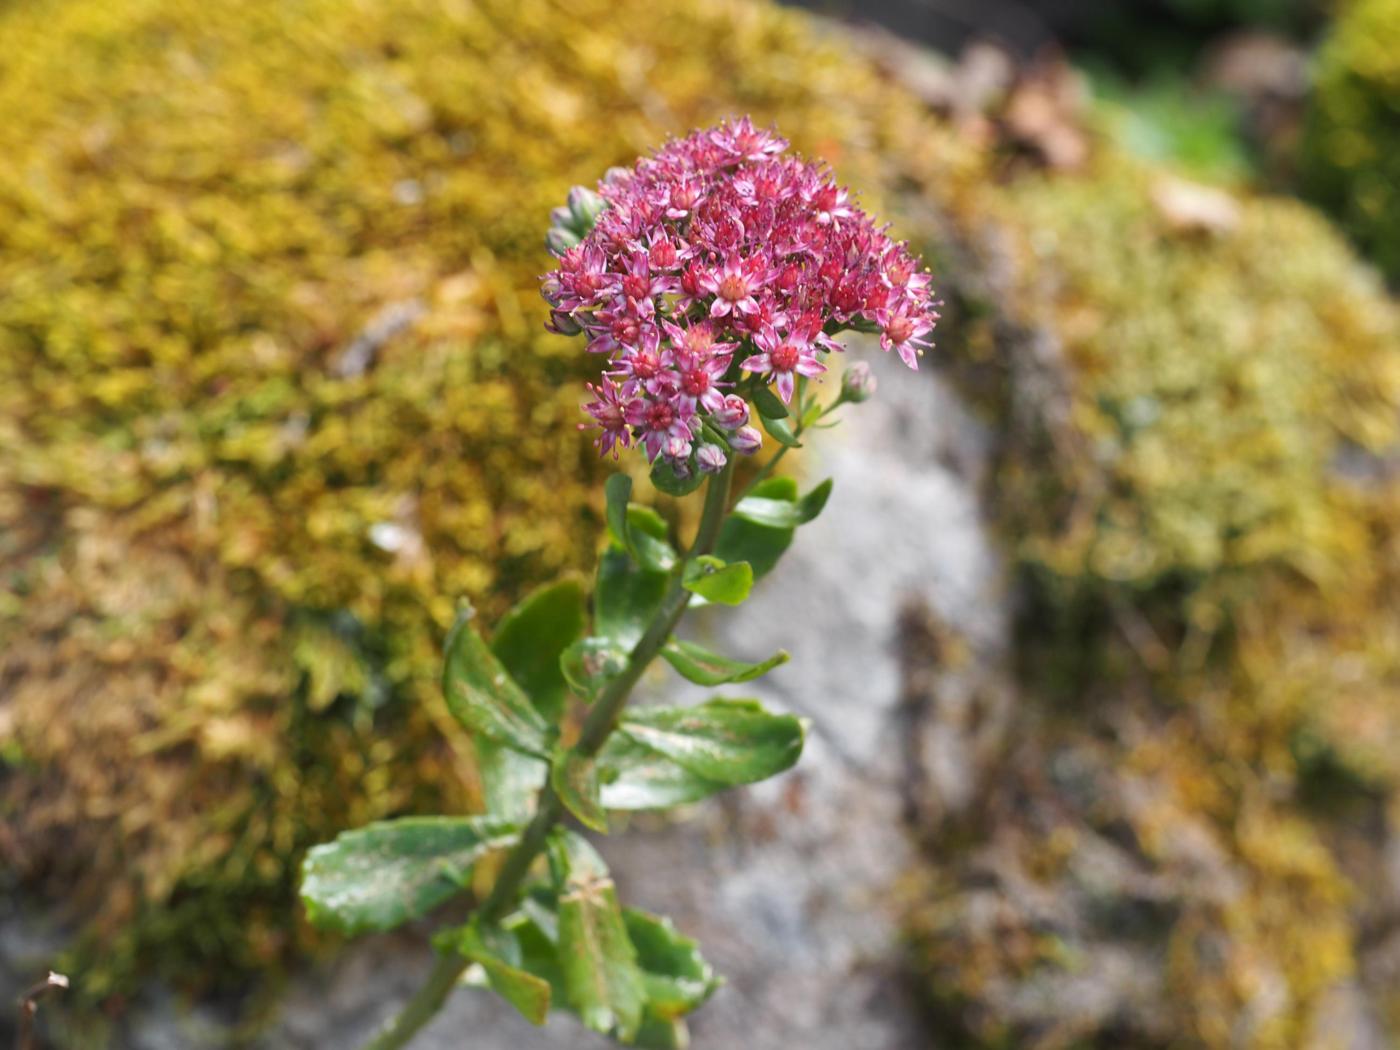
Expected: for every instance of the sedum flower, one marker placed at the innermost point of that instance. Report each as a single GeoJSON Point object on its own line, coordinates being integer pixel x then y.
{"type": "Point", "coordinates": [716, 265]}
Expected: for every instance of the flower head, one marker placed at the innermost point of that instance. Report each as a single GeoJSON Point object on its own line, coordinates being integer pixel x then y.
{"type": "Point", "coordinates": [716, 265]}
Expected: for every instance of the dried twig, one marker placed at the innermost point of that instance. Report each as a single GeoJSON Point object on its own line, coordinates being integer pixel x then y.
{"type": "Point", "coordinates": [29, 1007]}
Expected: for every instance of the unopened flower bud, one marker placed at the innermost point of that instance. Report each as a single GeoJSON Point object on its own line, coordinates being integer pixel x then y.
{"type": "Point", "coordinates": [585, 206]}
{"type": "Point", "coordinates": [678, 451]}
{"type": "Point", "coordinates": [857, 383]}
{"type": "Point", "coordinates": [561, 216]}
{"type": "Point", "coordinates": [561, 322]}
{"type": "Point", "coordinates": [711, 459]}
{"type": "Point", "coordinates": [746, 441]}
{"type": "Point", "coordinates": [733, 414]}
{"type": "Point", "coordinates": [551, 290]}
{"type": "Point", "coordinates": [559, 240]}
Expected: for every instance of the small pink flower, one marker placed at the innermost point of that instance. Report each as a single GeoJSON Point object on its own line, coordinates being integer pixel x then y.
{"type": "Point", "coordinates": [609, 417]}
{"type": "Point", "coordinates": [902, 328]}
{"type": "Point", "coordinates": [734, 285]}
{"type": "Point", "coordinates": [742, 141]}
{"type": "Point", "coordinates": [661, 425]}
{"type": "Point", "coordinates": [784, 357]}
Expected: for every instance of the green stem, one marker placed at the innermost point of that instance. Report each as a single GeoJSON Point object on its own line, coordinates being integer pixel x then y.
{"type": "Point", "coordinates": [597, 727]}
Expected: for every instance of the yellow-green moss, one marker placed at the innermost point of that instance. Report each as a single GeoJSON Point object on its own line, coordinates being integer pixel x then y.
{"type": "Point", "coordinates": [1210, 522]}
{"type": "Point", "coordinates": [1351, 148]}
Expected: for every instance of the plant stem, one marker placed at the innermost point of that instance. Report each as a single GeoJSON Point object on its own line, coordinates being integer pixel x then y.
{"type": "Point", "coordinates": [597, 727]}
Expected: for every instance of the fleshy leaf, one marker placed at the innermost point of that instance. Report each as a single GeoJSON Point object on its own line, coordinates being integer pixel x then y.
{"type": "Point", "coordinates": [384, 874]}
{"type": "Point", "coordinates": [726, 741]}
{"type": "Point", "coordinates": [759, 545]}
{"type": "Point", "coordinates": [485, 699]}
{"type": "Point", "coordinates": [665, 479]}
{"type": "Point", "coordinates": [591, 663]}
{"type": "Point", "coordinates": [657, 1033]}
{"type": "Point", "coordinates": [676, 977]}
{"type": "Point", "coordinates": [716, 581]}
{"type": "Point", "coordinates": [780, 430]}
{"type": "Point", "coordinates": [510, 781]}
{"type": "Point", "coordinates": [528, 642]}
{"type": "Point", "coordinates": [499, 954]}
{"type": "Point", "coordinates": [699, 665]}
{"type": "Point", "coordinates": [575, 780]}
{"type": "Point", "coordinates": [626, 598]}
{"type": "Point", "coordinates": [769, 404]}
{"type": "Point", "coordinates": [531, 636]}
{"type": "Point", "coordinates": [601, 975]}
{"type": "Point", "coordinates": [636, 777]}
{"type": "Point", "coordinates": [635, 528]}
{"type": "Point", "coordinates": [781, 513]}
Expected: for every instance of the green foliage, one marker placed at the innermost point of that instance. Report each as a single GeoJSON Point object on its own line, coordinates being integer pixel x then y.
{"type": "Point", "coordinates": [499, 954]}
{"type": "Point", "coordinates": [384, 874]}
{"type": "Point", "coordinates": [1350, 159]}
{"type": "Point", "coordinates": [601, 975]}
{"type": "Point", "coordinates": [726, 742]}
{"type": "Point", "coordinates": [717, 581]}
{"type": "Point", "coordinates": [567, 941]}
{"type": "Point", "coordinates": [485, 699]}
{"type": "Point", "coordinates": [699, 665]}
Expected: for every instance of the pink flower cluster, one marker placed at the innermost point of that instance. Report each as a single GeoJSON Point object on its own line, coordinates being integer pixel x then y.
{"type": "Point", "coordinates": [716, 264]}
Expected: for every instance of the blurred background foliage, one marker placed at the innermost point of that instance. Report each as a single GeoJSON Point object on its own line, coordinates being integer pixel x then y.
{"type": "Point", "coordinates": [275, 395]}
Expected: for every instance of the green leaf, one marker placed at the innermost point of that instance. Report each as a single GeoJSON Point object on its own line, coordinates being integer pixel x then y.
{"type": "Point", "coordinates": [699, 665]}
{"type": "Point", "coordinates": [636, 777]}
{"type": "Point", "coordinates": [529, 642]}
{"type": "Point", "coordinates": [530, 638]}
{"type": "Point", "coordinates": [510, 781]}
{"type": "Point", "coordinates": [777, 488]}
{"type": "Point", "coordinates": [664, 478]}
{"type": "Point", "coordinates": [384, 874]}
{"type": "Point", "coordinates": [759, 545]}
{"type": "Point", "coordinates": [485, 699]}
{"type": "Point", "coordinates": [781, 513]}
{"type": "Point", "coordinates": [575, 780]}
{"type": "Point", "coordinates": [626, 598]}
{"type": "Point", "coordinates": [591, 663]}
{"type": "Point", "coordinates": [499, 954]}
{"type": "Point", "coordinates": [601, 975]}
{"type": "Point", "coordinates": [650, 533]}
{"type": "Point", "coordinates": [656, 1033]}
{"type": "Point", "coordinates": [813, 413]}
{"type": "Point", "coordinates": [715, 581]}
{"type": "Point", "coordinates": [726, 741]}
{"type": "Point", "coordinates": [769, 404]}
{"type": "Point", "coordinates": [780, 430]}
{"type": "Point", "coordinates": [675, 975]}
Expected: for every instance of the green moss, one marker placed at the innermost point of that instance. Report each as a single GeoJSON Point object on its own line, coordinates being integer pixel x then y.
{"type": "Point", "coordinates": [1351, 148]}
{"type": "Point", "coordinates": [1211, 583]}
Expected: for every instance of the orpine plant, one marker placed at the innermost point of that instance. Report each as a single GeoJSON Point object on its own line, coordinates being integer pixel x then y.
{"type": "Point", "coordinates": [715, 275]}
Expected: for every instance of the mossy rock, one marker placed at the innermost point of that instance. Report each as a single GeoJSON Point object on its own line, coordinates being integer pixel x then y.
{"type": "Point", "coordinates": [1351, 147]}
{"type": "Point", "coordinates": [275, 395]}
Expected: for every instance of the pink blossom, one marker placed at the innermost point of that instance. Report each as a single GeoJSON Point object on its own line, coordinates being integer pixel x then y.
{"type": "Point", "coordinates": [661, 425]}
{"type": "Point", "coordinates": [734, 285]}
{"type": "Point", "coordinates": [784, 357]}
{"type": "Point", "coordinates": [608, 414]}
{"type": "Point", "coordinates": [714, 241]}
